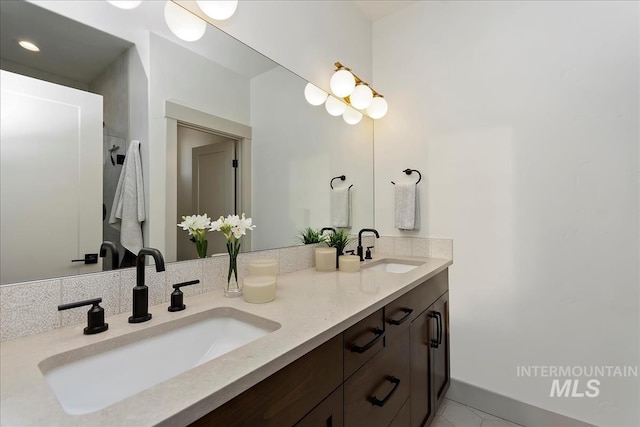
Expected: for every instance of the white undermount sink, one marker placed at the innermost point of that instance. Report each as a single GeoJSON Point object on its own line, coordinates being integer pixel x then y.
{"type": "Point", "coordinates": [393, 266]}
{"type": "Point", "coordinates": [86, 380]}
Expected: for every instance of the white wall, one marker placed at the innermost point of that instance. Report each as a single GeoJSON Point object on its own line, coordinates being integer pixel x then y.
{"type": "Point", "coordinates": [306, 37]}
{"type": "Point", "coordinates": [523, 118]}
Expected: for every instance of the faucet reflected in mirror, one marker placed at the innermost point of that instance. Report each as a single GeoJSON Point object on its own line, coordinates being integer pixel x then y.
{"type": "Point", "coordinates": [141, 291]}
{"type": "Point", "coordinates": [115, 258]}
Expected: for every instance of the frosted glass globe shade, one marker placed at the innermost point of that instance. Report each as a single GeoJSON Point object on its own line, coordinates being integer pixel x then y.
{"type": "Point", "coordinates": [125, 4]}
{"type": "Point", "coordinates": [334, 106]}
{"type": "Point", "coordinates": [314, 95]}
{"type": "Point", "coordinates": [361, 97]}
{"type": "Point", "coordinates": [183, 24]}
{"type": "Point", "coordinates": [219, 10]}
{"type": "Point", "coordinates": [342, 83]}
{"type": "Point", "coordinates": [378, 108]}
{"type": "Point", "coordinates": [352, 116]}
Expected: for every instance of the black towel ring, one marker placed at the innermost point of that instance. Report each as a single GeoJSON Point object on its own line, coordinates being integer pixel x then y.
{"type": "Point", "coordinates": [341, 178]}
{"type": "Point", "coordinates": [408, 172]}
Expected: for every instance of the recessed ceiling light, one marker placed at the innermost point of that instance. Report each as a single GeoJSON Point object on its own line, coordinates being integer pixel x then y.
{"type": "Point", "coordinates": [29, 46]}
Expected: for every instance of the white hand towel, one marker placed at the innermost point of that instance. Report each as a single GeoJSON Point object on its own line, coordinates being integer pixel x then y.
{"type": "Point", "coordinates": [128, 212]}
{"type": "Point", "coordinates": [340, 207]}
{"type": "Point", "coordinates": [407, 206]}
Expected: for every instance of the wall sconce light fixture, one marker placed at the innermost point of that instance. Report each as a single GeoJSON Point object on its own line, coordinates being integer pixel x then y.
{"type": "Point", "coordinates": [350, 94]}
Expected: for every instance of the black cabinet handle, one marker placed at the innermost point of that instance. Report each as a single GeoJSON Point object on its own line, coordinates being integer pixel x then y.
{"type": "Point", "coordinates": [440, 328]}
{"type": "Point", "coordinates": [435, 343]}
{"type": "Point", "coordinates": [400, 321]}
{"type": "Point", "coordinates": [357, 349]}
{"type": "Point", "coordinates": [377, 402]}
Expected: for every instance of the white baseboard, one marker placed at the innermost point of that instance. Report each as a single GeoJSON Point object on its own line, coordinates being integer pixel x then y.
{"type": "Point", "coordinates": [507, 408]}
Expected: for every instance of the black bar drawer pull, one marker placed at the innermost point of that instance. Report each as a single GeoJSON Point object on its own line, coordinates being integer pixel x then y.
{"type": "Point", "coordinates": [357, 349]}
{"type": "Point", "coordinates": [377, 402]}
{"type": "Point", "coordinates": [407, 313]}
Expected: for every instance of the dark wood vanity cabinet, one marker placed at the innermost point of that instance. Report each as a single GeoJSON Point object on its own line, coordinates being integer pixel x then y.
{"type": "Point", "coordinates": [391, 369]}
{"type": "Point", "coordinates": [440, 352]}
{"type": "Point", "coordinates": [422, 404]}
{"type": "Point", "coordinates": [287, 396]}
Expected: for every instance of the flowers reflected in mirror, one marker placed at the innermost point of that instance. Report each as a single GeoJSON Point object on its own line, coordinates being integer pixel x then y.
{"type": "Point", "coordinates": [197, 226]}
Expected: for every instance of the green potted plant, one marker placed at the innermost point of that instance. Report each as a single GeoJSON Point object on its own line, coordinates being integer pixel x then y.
{"type": "Point", "coordinates": [309, 236]}
{"type": "Point", "coordinates": [339, 240]}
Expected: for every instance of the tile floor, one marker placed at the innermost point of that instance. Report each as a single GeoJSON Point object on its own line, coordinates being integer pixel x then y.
{"type": "Point", "coordinates": [454, 414]}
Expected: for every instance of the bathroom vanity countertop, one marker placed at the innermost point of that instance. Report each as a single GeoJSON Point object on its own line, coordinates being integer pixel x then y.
{"type": "Point", "coordinates": [310, 306]}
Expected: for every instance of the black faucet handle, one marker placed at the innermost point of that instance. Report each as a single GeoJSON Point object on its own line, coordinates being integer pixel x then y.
{"type": "Point", "coordinates": [368, 255]}
{"type": "Point", "coordinates": [353, 252]}
{"type": "Point", "coordinates": [95, 315]}
{"type": "Point", "coordinates": [88, 259]}
{"type": "Point", "coordinates": [177, 295]}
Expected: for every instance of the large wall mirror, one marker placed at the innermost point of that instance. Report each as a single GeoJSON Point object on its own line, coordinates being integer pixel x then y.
{"type": "Point", "coordinates": [104, 77]}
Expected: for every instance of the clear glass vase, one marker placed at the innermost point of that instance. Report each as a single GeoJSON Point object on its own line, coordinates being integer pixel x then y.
{"type": "Point", "coordinates": [232, 288]}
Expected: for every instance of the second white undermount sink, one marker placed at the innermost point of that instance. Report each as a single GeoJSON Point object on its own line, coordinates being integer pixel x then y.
{"type": "Point", "coordinates": [393, 266]}
{"type": "Point", "coordinates": [121, 369]}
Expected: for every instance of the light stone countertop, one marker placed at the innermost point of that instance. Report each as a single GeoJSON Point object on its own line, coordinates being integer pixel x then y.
{"type": "Point", "coordinates": [310, 306]}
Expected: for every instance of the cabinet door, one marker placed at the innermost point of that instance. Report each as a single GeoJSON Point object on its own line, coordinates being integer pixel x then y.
{"type": "Point", "coordinates": [327, 414]}
{"type": "Point", "coordinates": [376, 392]}
{"type": "Point", "coordinates": [440, 352]}
{"type": "Point", "coordinates": [422, 333]}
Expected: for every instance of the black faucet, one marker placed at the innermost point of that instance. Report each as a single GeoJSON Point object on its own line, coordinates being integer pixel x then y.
{"type": "Point", "coordinates": [115, 259]}
{"type": "Point", "coordinates": [360, 249]}
{"type": "Point", "coordinates": [323, 229]}
{"type": "Point", "coordinates": [141, 291]}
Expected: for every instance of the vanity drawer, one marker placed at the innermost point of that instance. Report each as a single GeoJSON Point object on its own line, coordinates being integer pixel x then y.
{"type": "Point", "coordinates": [428, 292]}
{"type": "Point", "coordinates": [362, 341]}
{"type": "Point", "coordinates": [286, 396]}
{"type": "Point", "coordinates": [399, 314]}
{"type": "Point", "coordinates": [329, 413]}
{"type": "Point", "coordinates": [376, 393]}
{"type": "Point", "coordinates": [403, 419]}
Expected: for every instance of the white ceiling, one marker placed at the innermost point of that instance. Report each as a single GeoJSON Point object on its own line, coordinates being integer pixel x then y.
{"type": "Point", "coordinates": [80, 52]}
{"type": "Point", "coordinates": [67, 48]}
{"type": "Point", "coordinates": [377, 9]}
